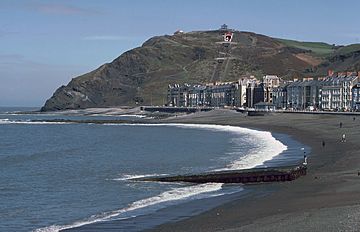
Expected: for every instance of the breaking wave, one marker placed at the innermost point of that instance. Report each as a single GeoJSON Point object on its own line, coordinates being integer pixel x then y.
{"type": "Point", "coordinates": [160, 201]}
{"type": "Point", "coordinates": [131, 177]}
{"type": "Point", "coordinates": [266, 147]}
{"type": "Point", "coordinates": [8, 121]}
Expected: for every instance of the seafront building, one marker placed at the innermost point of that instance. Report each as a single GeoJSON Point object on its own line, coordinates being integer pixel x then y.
{"type": "Point", "coordinates": [218, 94]}
{"type": "Point", "coordinates": [280, 96]}
{"type": "Point", "coordinates": [254, 94]}
{"type": "Point", "coordinates": [222, 94]}
{"type": "Point", "coordinates": [331, 93]}
{"type": "Point", "coordinates": [355, 101]}
{"type": "Point", "coordinates": [335, 92]}
{"type": "Point", "coordinates": [270, 82]}
{"type": "Point", "coordinates": [187, 95]}
{"type": "Point", "coordinates": [303, 94]}
{"type": "Point", "coordinates": [244, 82]}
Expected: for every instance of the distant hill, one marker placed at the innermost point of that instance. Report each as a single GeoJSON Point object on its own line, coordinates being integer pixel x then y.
{"type": "Point", "coordinates": [141, 75]}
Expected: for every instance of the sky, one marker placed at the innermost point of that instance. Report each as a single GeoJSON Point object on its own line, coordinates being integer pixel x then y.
{"type": "Point", "coordinates": [44, 44]}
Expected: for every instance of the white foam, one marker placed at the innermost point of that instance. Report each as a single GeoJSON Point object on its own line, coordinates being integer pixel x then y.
{"type": "Point", "coordinates": [4, 120]}
{"type": "Point", "coordinates": [174, 194]}
{"type": "Point", "coordinates": [34, 113]}
{"type": "Point", "coordinates": [267, 147]}
{"type": "Point", "coordinates": [9, 113]}
{"type": "Point", "coordinates": [118, 115]}
{"type": "Point", "coordinates": [132, 115]}
{"type": "Point", "coordinates": [7, 121]}
{"type": "Point", "coordinates": [131, 177]}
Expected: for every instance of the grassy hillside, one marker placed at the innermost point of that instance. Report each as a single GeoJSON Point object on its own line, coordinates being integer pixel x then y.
{"type": "Point", "coordinates": [318, 48]}
{"type": "Point", "coordinates": [348, 49]}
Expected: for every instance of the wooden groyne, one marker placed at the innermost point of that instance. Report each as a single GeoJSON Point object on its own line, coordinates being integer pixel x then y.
{"type": "Point", "coordinates": [254, 175]}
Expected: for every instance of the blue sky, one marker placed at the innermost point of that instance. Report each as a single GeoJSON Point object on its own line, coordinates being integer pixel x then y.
{"type": "Point", "coordinates": [43, 44]}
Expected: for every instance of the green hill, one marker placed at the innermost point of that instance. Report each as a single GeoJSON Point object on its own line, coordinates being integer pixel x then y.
{"type": "Point", "coordinates": [343, 50]}
{"type": "Point", "coordinates": [318, 48]}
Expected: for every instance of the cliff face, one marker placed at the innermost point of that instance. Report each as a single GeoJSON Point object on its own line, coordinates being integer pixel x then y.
{"type": "Point", "coordinates": [141, 75]}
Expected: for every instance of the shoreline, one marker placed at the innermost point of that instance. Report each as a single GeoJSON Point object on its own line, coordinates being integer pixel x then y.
{"type": "Point", "coordinates": [328, 198]}
{"type": "Point", "coordinates": [312, 203]}
{"type": "Point", "coordinates": [198, 206]}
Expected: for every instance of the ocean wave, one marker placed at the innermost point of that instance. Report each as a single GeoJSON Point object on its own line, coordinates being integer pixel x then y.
{"type": "Point", "coordinates": [173, 195]}
{"type": "Point", "coordinates": [8, 121]}
{"type": "Point", "coordinates": [132, 115]}
{"type": "Point", "coordinates": [266, 146]}
{"type": "Point", "coordinates": [114, 115]}
{"type": "Point", "coordinates": [4, 120]}
{"type": "Point", "coordinates": [131, 177]}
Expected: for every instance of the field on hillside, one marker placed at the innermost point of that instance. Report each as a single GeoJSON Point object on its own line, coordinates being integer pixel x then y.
{"type": "Point", "coordinates": [347, 49]}
{"type": "Point", "coordinates": [318, 48]}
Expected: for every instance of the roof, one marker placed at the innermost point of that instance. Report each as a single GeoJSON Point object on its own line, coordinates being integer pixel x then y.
{"type": "Point", "coordinates": [328, 81]}
{"type": "Point", "coordinates": [357, 85]}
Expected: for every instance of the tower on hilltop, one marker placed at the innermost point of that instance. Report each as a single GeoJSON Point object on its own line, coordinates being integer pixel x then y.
{"type": "Point", "coordinates": [224, 27]}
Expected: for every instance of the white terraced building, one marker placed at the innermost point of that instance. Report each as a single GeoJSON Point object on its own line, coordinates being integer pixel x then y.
{"type": "Point", "coordinates": [328, 93]}
{"type": "Point", "coordinates": [335, 93]}
{"type": "Point", "coordinates": [356, 97]}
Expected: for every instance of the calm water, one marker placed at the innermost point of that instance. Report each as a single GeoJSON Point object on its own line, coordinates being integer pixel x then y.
{"type": "Point", "coordinates": [56, 176]}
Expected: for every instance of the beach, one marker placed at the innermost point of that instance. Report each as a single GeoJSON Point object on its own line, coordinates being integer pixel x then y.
{"type": "Point", "coordinates": [326, 199]}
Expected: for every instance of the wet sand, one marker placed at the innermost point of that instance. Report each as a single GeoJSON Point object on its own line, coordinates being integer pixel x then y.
{"type": "Point", "coordinates": [326, 199]}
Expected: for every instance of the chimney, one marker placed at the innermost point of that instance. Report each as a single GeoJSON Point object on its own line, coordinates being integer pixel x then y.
{"type": "Point", "coordinates": [330, 72]}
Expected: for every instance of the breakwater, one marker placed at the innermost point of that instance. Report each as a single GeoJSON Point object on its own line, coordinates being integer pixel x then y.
{"type": "Point", "coordinates": [237, 176]}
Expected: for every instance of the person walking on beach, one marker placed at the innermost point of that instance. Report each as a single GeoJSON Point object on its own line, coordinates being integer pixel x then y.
{"type": "Point", "coordinates": [305, 159]}
{"type": "Point", "coordinates": [343, 138]}
{"type": "Point", "coordinates": [323, 143]}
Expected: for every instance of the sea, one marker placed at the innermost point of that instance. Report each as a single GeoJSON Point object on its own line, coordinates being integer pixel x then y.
{"type": "Point", "coordinates": [60, 175]}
